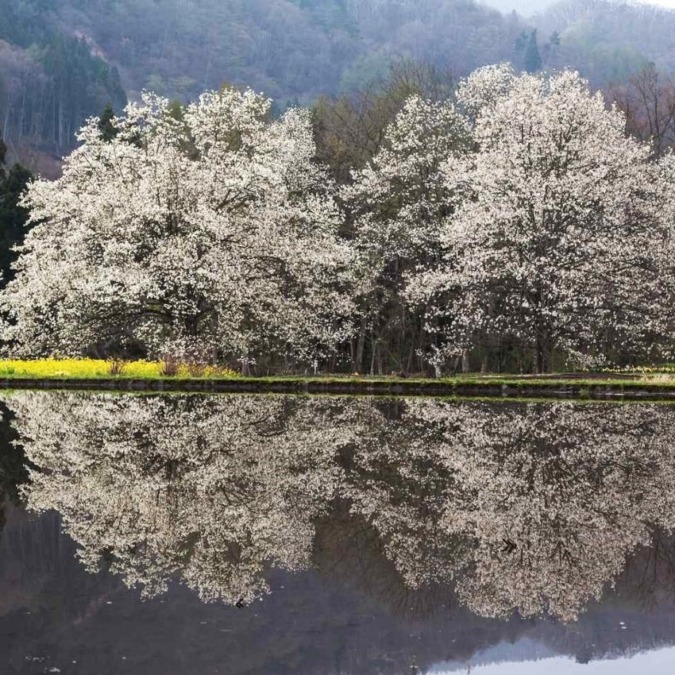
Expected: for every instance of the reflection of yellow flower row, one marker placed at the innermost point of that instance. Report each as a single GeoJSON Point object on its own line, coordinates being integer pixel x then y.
{"type": "Point", "coordinates": [98, 368]}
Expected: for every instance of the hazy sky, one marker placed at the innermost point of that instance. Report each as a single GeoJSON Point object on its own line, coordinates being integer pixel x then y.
{"type": "Point", "coordinates": [530, 6]}
{"type": "Point", "coordinates": [663, 3]}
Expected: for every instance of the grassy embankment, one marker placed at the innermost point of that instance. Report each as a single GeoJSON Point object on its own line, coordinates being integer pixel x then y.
{"type": "Point", "coordinates": [151, 370]}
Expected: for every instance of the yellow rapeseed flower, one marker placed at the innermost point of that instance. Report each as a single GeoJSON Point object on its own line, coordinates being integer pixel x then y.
{"type": "Point", "coordinates": [98, 368]}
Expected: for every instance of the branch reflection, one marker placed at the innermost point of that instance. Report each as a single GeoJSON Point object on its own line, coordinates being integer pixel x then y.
{"type": "Point", "coordinates": [529, 508]}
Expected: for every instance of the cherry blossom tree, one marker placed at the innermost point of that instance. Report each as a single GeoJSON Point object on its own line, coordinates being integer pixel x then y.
{"type": "Point", "coordinates": [560, 239]}
{"type": "Point", "coordinates": [207, 230]}
{"type": "Point", "coordinates": [398, 204]}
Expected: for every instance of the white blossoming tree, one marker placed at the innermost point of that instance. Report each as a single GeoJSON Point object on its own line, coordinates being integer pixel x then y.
{"type": "Point", "coordinates": [207, 231]}
{"type": "Point", "coordinates": [398, 204]}
{"type": "Point", "coordinates": [560, 239]}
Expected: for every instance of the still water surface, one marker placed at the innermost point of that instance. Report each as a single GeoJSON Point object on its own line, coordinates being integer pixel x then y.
{"type": "Point", "coordinates": [276, 535]}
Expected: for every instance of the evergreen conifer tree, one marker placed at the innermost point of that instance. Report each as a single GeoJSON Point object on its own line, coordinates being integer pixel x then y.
{"type": "Point", "coordinates": [12, 215]}
{"type": "Point", "coordinates": [532, 56]}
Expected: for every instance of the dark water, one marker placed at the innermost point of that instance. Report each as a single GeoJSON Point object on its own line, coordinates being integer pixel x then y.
{"type": "Point", "coordinates": [243, 534]}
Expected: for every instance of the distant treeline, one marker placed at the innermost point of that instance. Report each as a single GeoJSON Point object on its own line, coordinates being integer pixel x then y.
{"type": "Point", "coordinates": [13, 182]}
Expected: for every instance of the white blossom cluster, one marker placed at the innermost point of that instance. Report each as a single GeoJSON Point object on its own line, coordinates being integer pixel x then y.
{"type": "Point", "coordinates": [522, 214]}
{"type": "Point", "coordinates": [519, 212]}
{"type": "Point", "coordinates": [560, 236]}
{"type": "Point", "coordinates": [529, 508]}
{"type": "Point", "coordinates": [207, 231]}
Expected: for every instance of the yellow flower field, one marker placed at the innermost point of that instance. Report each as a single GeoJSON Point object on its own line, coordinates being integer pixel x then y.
{"type": "Point", "coordinates": [98, 368]}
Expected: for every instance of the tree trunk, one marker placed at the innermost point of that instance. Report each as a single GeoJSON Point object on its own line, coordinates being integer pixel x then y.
{"type": "Point", "coordinates": [373, 347]}
{"type": "Point", "coordinates": [543, 353]}
{"type": "Point", "coordinates": [360, 346]}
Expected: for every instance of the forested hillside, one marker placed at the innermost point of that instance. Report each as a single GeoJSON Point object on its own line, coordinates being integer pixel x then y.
{"type": "Point", "coordinates": [607, 40]}
{"type": "Point", "coordinates": [50, 78]}
{"type": "Point", "coordinates": [64, 60]}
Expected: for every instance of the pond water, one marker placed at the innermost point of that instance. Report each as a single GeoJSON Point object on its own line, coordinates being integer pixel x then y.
{"type": "Point", "coordinates": [257, 534]}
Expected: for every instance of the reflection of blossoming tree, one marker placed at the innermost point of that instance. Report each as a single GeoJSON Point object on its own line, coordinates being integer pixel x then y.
{"type": "Point", "coordinates": [212, 489]}
{"type": "Point", "coordinates": [397, 481]}
{"type": "Point", "coordinates": [575, 490]}
{"type": "Point", "coordinates": [520, 507]}
{"type": "Point", "coordinates": [543, 502]}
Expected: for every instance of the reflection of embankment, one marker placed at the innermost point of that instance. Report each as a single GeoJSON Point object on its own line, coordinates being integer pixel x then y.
{"type": "Point", "coordinates": [527, 508]}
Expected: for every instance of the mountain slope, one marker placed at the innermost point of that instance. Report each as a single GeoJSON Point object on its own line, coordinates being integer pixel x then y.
{"type": "Point", "coordinates": [63, 60]}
